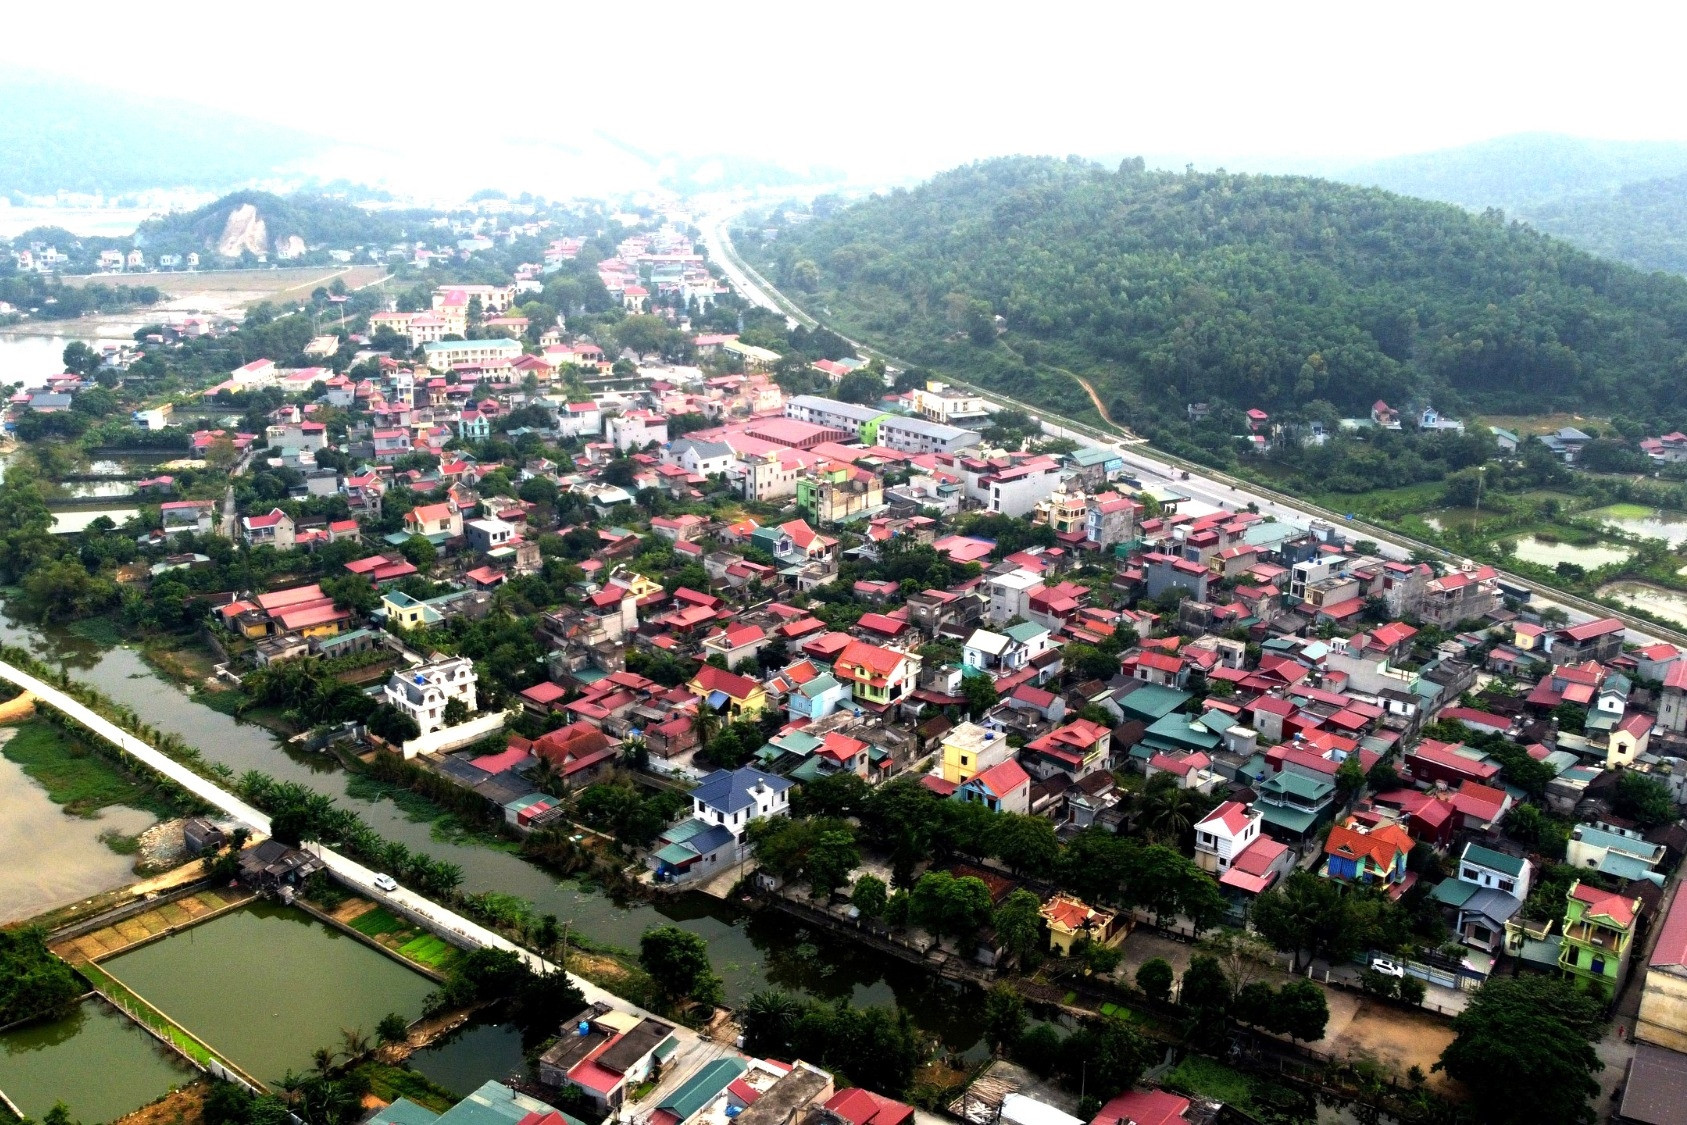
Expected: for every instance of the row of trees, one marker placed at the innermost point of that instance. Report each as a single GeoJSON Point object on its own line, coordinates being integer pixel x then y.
{"type": "Point", "coordinates": [298, 814]}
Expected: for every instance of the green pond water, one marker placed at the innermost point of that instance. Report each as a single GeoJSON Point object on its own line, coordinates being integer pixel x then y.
{"type": "Point", "coordinates": [1533, 549]}
{"type": "Point", "coordinates": [267, 985]}
{"type": "Point", "coordinates": [94, 1059]}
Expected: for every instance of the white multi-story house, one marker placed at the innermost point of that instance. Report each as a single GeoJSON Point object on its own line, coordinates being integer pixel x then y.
{"type": "Point", "coordinates": [950, 405]}
{"type": "Point", "coordinates": [1224, 834]}
{"type": "Point", "coordinates": [1010, 595]}
{"type": "Point", "coordinates": [636, 429]}
{"type": "Point", "coordinates": [580, 419]}
{"type": "Point", "coordinates": [733, 798]}
{"type": "Point", "coordinates": [422, 691]}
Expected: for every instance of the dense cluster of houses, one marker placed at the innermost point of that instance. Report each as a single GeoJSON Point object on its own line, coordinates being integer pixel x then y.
{"type": "Point", "coordinates": [1251, 659]}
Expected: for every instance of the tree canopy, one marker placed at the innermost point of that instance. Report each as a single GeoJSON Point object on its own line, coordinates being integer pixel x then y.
{"type": "Point", "coordinates": [1269, 291]}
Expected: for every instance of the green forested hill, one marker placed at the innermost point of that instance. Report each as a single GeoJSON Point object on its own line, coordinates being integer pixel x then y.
{"type": "Point", "coordinates": [1164, 289]}
{"type": "Point", "coordinates": [1644, 224]}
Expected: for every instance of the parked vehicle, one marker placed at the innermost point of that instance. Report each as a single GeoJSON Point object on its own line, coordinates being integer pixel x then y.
{"type": "Point", "coordinates": [385, 883]}
{"type": "Point", "coordinates": [1388, 967]}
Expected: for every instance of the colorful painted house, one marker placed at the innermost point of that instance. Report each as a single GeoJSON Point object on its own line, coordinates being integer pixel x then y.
{"type": "Point", "coordinates": [1372, 856]}
{"type": "Point", "coordinates": [1598, 938]}
{"type": "Point", "coordinates": [737, 696]}
{"type": "Point", "coordinates": [878, 678]}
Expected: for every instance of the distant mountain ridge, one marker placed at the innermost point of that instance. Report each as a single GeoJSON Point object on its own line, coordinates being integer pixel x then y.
{"type": "Point", "coordinates": [57, 135]}
{"type": "Point", "coordinates": [1520, 172]}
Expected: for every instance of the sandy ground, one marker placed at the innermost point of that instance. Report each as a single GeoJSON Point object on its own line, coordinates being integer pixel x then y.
{"type": "Point", "coordinates": [1396, 1037]}
{"type": "Point", "coordinates": [223, 293]}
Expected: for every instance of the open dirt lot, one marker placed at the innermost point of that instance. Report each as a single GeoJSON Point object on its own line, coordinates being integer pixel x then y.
{"type": "Point", "coordinates": [245, 286]}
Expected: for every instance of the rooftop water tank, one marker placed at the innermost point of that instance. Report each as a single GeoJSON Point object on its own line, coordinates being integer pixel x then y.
{"type": "Point", "coordinates": [584, 1028]}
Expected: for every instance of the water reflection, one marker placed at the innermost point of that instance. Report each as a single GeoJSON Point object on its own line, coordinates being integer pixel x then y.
{"type": "Point", "coordinates": [749, 951]}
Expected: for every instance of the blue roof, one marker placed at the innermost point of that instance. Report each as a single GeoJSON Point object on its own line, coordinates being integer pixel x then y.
{"type": "Point", "coordinates": [729, 792]}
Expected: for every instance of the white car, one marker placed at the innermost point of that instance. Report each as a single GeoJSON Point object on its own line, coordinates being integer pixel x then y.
{"type": "Point", "coordinates": [385, 883]}
{"type": "Point", "coordinates": [1388, 967]}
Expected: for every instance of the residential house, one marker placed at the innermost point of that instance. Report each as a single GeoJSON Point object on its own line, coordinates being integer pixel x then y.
{"type": "Point", "coordinates": [272, 530]}
{"type": "Point", "coordinates": [1224, 834]}
{"type": "Point", "coordinates": [1598, 938]}
{"type": "Point", "coordinates": [733, 798]}
{"type": "Point", "coordinates": [1618, 852]}
{"type": "Point", "coordinates": [436, 522]}
{"type": "Point", "coordinates": [1489, 891]}
{"type": "Point", "coordinates": [1663, 1000]}
{"type": "Point", "coordinates": [1145, 1107]}
{"type": "Point", "coordinates": [969, 749]}
{"type": "Point", "coordinates": [1070, 920]}
{"type": "Point", "coordinates": [734, 695]}
{"type": "Point", "coordinates": [607, 1054]}
{"type": "Point", "coordinates": [1076, 750]}
{"type": "Point", "coordinates": [1369, 855]}
{"type": "Point", "coordinates": [878, 678]}
{"type": "Point", "coordinates": [1004, 787]}
{"type": "Point", "coordinates": [422, 691]}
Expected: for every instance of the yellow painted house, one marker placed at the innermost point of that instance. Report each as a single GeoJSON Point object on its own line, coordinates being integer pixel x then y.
{"type": "Point", "coordinates": [1070, 920]}
{"type": "Point", "coordinates": [969, 750]}
{"type": "Point", "coordinates": [735, 696]}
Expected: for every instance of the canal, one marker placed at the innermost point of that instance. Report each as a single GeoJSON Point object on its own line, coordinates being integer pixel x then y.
{"type": "Point", "coordinates": [268, 985]}
{"type": "Point", "coordinates": [750, 951]}
{"type": "Point", "coordinates": [94, 1059]}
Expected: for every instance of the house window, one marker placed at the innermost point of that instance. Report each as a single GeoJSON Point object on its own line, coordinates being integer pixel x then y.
{"type": "Point", "coordinates": [1597, 965]}
{"type": "Point", "coordinates": [1471, 874]}
{"type": "Point", "coordinates": [1506, 885]}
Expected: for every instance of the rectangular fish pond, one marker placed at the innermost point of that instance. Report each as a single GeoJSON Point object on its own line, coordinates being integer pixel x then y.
{"type": "Point", "coordinates": [267, 985]}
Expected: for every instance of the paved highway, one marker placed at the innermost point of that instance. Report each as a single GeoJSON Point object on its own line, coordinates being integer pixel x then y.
{"type": "Point", "coordinates": [1203, 485]}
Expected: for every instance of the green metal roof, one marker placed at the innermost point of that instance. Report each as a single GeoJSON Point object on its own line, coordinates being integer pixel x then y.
{"type": "Point", "coordinates": [1093, 455]}
{"type": "Point", "coordinates": [1453, 892]}
{"type": "Point", "coordinates": [677, 854]}
{"type": "Point", "coordinates": [1025, 632]}
{"type": "Point", "coordinates": [1152, 701]}
{"type": "Point", "coordinates": [687, 1101]}
{"type": "Point", "coordinates": [495, 1104]}
{"type": "Point", "coordinates": [1298, 785]}
{"type": "Point", "coordinates": [1181, 732]}
{"type": "Point", "coordinates": [1295, 820]}
{"type": "Point", "coordinates": [1499, 861]}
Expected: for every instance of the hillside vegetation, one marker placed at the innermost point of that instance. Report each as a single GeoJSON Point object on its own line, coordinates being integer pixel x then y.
{"type": "Point", "coordinates": [1643, 224]}
{"type": "Point", "coordinates": [315, 220]}
{"type": "Point", "coordinates": [1277, 292]}
{"type": "Point", "coordinates": [62, 135]}
{"type": "Point", "coordinates": [1522, 171]}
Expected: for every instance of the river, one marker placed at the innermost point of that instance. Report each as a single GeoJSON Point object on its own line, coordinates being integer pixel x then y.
{"type": "Point", "coordinates": [31, 359]}
{"type": "Point", "coordinates": [749, 951]}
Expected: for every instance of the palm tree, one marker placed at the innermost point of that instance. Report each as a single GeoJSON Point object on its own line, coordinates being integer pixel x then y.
{"type": "Point", "coordinates": [768, 1018]}
{"type": "Point", "coordinates": [704, 723]}
{"type": "Point", "coordinates": [322, 1059]}
{"type": "Point", "coordinates": [546, 777]}
{"type": "Point", "coordinates": [1170, 811]}
{"type": "Point", "coordinates": [355, 1042]}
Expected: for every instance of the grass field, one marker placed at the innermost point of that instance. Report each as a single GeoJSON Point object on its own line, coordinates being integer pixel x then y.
{"type": "Point", "coordinates": [391, 1082]}
{"type": "Point", "coordinates": [377, 922]}
{"type": "Point", "coordinates": [76, 777]}
{"type": "Point", "coordinates": [434, 952]}
{"type": "Point", "coordinates": [1522, 424]}
{"type": "Point", "coordinates": [1198, 1075]}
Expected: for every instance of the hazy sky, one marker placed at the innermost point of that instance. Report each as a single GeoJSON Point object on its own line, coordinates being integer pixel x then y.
{"type": "Point", "coordinates": [902, 88]}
